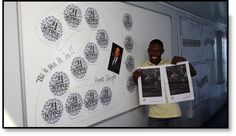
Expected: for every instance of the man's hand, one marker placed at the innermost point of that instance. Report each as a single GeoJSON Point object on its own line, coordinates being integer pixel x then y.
{"type": "Point", "coordinates": [177, 59]}
{"type": "Point", "coordinates": [136, 74]}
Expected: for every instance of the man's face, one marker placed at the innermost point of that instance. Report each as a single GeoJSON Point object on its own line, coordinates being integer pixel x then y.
{"type": "Point", "coordinates": [155, 51]}
{"type": "Point", "coordinates": [117, 52]}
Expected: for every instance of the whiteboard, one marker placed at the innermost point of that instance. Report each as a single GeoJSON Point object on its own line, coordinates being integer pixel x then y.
{"type": "Point", "coordinates": [54, 47]}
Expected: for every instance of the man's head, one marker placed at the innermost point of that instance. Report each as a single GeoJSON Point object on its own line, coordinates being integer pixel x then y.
{"type": "Point", "coordinates": [155, 50]}
{"type": "Point", "coordinates": [117, 52]}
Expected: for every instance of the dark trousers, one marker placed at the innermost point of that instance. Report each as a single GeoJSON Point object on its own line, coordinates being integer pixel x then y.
{"type": "Point", "coordinates": [164, 123]}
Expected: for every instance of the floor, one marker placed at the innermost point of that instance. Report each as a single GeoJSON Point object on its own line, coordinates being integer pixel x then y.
{"type": "Point", "coordinates": [219, 119]}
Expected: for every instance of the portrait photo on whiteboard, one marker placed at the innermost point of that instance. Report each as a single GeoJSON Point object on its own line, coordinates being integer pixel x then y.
{"type": "Point", "coordinates": [178, 82]}
{"type": "Point", "coordinates": [151, 86]}
{"type": "Point", "coordinates": [115, 58]}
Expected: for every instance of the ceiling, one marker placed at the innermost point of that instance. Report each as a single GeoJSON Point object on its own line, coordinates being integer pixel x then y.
{"type": "Point", "coordinates": [214, 11]}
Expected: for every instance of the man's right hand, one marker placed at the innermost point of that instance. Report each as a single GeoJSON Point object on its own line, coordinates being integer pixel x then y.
{"type": "Point", "coordinates": [136, 74]}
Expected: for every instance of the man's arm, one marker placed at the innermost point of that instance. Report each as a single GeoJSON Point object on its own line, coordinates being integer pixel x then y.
{"type": "Point", "coordinates": [180, 59]}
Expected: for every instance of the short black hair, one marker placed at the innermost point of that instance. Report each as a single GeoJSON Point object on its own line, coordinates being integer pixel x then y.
{"type": "Point", "coordinates": [156, 41]}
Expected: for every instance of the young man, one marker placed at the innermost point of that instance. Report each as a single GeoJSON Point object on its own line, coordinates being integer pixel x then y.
{"type": "Point", "coordinates": [162, 115]}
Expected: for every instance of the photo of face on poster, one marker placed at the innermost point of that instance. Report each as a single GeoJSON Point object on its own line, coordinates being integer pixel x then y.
{"type": "Point", "coordinates": [115, 58]}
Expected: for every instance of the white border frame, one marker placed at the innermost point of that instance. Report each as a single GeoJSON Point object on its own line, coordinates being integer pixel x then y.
{"type": "Point", "coordinates": [22, 64]}
{"type": "Point", "coordinates": [152, 100]}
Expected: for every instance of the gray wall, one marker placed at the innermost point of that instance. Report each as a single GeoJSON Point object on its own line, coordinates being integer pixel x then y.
{"type": "Point", "coordinates": [12, 81]}
{"type": "Point", "coordinates": [133, 118]}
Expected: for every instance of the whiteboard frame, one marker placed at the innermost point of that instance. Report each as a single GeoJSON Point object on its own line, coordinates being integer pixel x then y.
{"type": "Point", "coordinates": [22, 64]}
{"type": "Point", "coordinates": [22, 68]}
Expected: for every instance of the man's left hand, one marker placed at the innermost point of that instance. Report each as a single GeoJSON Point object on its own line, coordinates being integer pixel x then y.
{"type": "Point", "coordinates": [177, 59]}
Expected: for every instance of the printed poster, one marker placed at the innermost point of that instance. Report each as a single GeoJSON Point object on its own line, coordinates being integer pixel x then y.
{"type": "Point", "coordinates": [165, 84]}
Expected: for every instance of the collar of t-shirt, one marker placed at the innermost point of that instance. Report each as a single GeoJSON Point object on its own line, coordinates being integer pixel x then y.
{"type": "Point", "coordinates": [161, 62]}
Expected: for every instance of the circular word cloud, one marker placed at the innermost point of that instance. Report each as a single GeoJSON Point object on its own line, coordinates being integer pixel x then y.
{"type": "Point", "coordinates": [129, 43]}
{"type": "Point", "coordinates": [51, 28]}
{"type": "Point", "coordinates": [59, 83]}
{"type": "Point", "coordinates": [130, 85]}
{"type": "Point", "coordinates": [127, 21]}
{"type": "Point", "coordinates": [73, 15]}
{"type": "Point", "coordinates": [91, 100]}
{"type": "Point", "coordinates": [105, 96]}
{"type": "Point", "coordinates": [91, 52]}
{"type": "Point", "coordinates": [79, 67]}
{"type": "Point", "coordinates": [102, 38]}
{"type": "Point", "coordinates": [129, 63]}
{"type": "Point", "coordinates": [73, 104]}
{"type": "Point", "coordinates": [52, 111]}
{"type": "Point", "coordinates": [91, 17]}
